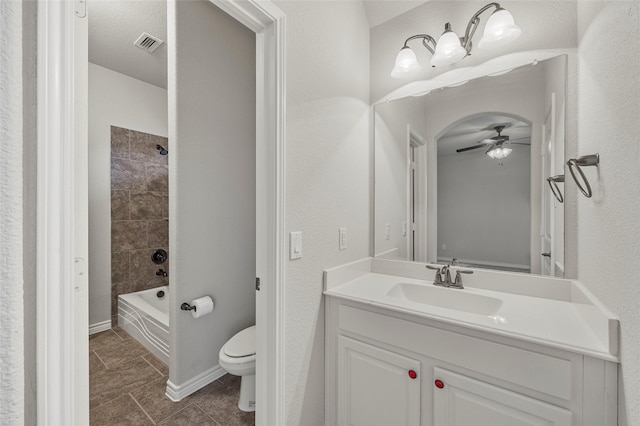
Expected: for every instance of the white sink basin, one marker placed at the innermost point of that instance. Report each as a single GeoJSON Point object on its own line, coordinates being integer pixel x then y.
{"type": "Point", "coordinates": [448, 298]}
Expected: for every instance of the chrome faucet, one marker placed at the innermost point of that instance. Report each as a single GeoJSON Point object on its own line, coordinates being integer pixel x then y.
{"type": "Point", "coordinates": [443, 276]}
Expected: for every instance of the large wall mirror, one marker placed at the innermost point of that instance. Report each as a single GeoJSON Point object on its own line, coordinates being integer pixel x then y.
{"type": "Point", "coordinates": [461, 172]}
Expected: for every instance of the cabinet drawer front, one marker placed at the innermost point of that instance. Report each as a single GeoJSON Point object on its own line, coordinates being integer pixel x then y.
{"type": "Point", "coordinates": [543, 373]}
{"type": "Point", "coordinates": [462, 401]}
{"type": "Point", "coordinates": [375, 387]}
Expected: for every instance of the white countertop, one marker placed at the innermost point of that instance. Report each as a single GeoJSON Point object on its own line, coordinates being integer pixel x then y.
{"type": "Point", "coordinates": [570, 323]}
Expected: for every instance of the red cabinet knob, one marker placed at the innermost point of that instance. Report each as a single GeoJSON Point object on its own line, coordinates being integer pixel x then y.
{"type": "Point", "coordinates": [413, 374]}
{"type": "Point", "coordinates": [439, 384]}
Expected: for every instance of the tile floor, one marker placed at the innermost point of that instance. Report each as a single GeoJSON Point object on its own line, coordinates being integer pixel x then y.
{"type": "Point", "coordinates": [127, 386]}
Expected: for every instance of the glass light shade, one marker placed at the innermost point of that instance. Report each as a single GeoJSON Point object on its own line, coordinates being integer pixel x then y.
{"type": "Point", "coordinates": [406, 63]}
{"type": "Point", "coordinates": [448, 50]}
{"type": "Point", "coordinates": [499, 30]}
{"type": "Point", "coordinates": [499, 152]}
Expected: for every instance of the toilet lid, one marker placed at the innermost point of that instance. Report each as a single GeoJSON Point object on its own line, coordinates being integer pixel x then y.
{"type": "Point", "coordinates": [242, 344]}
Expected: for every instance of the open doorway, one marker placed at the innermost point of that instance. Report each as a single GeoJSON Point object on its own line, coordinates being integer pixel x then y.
{"type": "Point", "coordinates": [62, 384]}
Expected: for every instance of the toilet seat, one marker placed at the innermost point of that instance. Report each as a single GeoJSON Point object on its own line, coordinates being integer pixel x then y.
{"type": "Point", "coordinates": [242, 345]}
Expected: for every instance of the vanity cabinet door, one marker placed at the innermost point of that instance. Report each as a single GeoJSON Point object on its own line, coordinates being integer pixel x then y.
{"type": "Point", "coordinates": [376, 386]}
{"type": "Point", "coordinates": [462, 401]}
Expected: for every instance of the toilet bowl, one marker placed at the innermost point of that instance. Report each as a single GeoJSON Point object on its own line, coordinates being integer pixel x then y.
{"type": "Point", "coordinates": [238, 357]}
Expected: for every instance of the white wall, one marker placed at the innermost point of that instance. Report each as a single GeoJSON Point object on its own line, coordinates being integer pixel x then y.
{"type": "Point", "coordinates": [212, 206]}
{"type": "Point", "coordinates": [114, 100]}
{"type": "Point", "coordinates": [484, 208]}
{"type": "Point", "coordinates": [608, 227]}
{"type": "Point", "coordinates": [12, 329]}
{"type": "Point", "coordinates": [328, 171]}
{"type": "Point", "coordinates": [545, 24]}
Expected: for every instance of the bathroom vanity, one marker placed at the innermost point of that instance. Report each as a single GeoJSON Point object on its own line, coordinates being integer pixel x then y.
{"type": "Point", "coordinates": [508, 349]}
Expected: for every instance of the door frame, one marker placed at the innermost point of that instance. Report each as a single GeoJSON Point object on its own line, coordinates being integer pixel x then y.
{"type": "Point", "coordinates": [62, 285]}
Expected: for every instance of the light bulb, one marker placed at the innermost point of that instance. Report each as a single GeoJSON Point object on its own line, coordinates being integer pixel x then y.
{"type": "Point", "coordinates": [406, 63]}
{"type": "Point", "coordinates": [499, 30]}
{"type": "Point", "coordinates": [448, 49]}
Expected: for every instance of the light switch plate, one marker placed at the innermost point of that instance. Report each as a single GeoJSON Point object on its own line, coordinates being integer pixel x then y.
{"type": "Point", "coordinates": [342, 238]}
{"type": "Point", "coordinates": [295, 245]}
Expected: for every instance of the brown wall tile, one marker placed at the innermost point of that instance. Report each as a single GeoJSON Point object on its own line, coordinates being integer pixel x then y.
{"type": "Point", "coordinates": [158, 233]}
{"type": "Point", "coordinates": [128, 235]}
{"type": "Point", "coordinates": [142, 147]}
{"type": "Point", "coordinates": [157, 178]}
{"type": "Point", "coordinates": [119, 205]}
{"type": "Point", "coordinates": [128, 174]}
{"type": "Point", "coordinates": [139, 211]}
{"type": "Point", "coordinates": [145, 205]}
{"type": "Point", "coordinates": [119, 266]}
{"type": "Point", "coordinates": [119, 142]}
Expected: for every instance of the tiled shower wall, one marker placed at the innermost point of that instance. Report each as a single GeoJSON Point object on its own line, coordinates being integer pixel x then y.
{"type": "Point", "coordinates": [139, 212]}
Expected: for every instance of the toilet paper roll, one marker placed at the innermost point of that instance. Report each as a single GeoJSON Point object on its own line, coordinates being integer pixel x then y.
{"type": "Point", "coordinates": [203, 306]}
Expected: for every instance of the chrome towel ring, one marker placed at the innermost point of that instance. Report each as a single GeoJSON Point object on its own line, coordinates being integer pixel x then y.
{"type": "Point", "coordinates": [576, 164]}
{"type": "Point", "coordinates": [553, 184]}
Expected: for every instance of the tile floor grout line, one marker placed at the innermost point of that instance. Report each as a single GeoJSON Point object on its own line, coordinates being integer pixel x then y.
{"type": "Point", "coordinates": [100, 359]}
{"type": "Point", "coordinates": [143, 410]}
{"type": "Point", "coordinates": [191, 404]}
{"type": "Point", "coordinates": [152, 366]}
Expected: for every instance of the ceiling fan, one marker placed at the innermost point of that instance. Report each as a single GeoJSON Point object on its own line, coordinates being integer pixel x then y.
{"type": "Point", "coordinates": [495, 143]}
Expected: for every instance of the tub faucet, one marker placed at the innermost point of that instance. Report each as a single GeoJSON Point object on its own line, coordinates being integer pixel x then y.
{"type": "Point", "coordinates": [162, 273]}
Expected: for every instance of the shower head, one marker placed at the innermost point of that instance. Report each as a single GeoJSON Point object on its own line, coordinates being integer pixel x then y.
{"type": "Point", "coordinates": [162, 150]}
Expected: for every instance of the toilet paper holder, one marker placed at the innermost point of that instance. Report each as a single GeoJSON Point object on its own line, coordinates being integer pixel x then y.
{"type": "Point", "coordinates": [187, 307]}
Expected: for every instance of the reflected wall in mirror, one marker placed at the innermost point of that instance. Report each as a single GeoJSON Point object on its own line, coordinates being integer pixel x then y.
{"type": "Point", "coordinates": [460, 173]}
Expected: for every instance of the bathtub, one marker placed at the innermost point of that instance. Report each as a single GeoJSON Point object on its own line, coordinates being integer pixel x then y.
{"type": "Point", "coordinates": [145, 316]}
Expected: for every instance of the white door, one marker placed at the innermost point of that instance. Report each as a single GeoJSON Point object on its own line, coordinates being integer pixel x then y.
{"type": "Point", "coordinates": [462, 401]}
{"type": "Point", "coordinates": [376, 387]}
{"type": "Point", "coordinates": [548, 199]}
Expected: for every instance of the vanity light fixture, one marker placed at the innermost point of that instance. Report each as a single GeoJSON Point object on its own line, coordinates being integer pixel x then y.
{"type": "Point", "coordinates": [499, 30]}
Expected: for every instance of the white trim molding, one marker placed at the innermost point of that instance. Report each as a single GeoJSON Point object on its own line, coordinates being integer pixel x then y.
{"type": "Point", "coordinates": [268, 22]}
{"type": "Point", "coordinates": [62, 284]}
{"type": "Point", "coordinates": [99, 327]}
{"type": "Point", "coordinates": [56, 393]}
{"type": "Point", "coordinates": [177, 393]}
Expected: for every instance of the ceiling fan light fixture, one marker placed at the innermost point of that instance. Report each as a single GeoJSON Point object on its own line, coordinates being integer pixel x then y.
{"type": "Point", "coordinates": [498, 152]}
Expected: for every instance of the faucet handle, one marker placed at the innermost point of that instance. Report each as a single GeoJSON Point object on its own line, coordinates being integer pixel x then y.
{"type": "Point", "coordinates": [457, 283]}
{"type": "Point", "coordinates": [438, 279]}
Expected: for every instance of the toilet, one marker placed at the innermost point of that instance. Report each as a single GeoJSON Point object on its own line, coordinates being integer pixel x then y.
{"type": "Point", "coordinates": [238, 357]}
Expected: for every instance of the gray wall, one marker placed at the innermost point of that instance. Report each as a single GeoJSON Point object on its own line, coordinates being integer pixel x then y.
{"type": "Point", "coordinates": [211, 180]}
{"type": "Point", "coordinates": [484, 208]}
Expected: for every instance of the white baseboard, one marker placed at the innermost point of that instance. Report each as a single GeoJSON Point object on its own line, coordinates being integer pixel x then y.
{"type": "Point", "coordinates": [99, 326]}
{"type": "Point", "coordinates": [177, 393]}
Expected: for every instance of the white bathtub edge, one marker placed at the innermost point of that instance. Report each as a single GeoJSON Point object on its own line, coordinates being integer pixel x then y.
{"type": "Point", "coordinates": [99, 327]}
{"type": "Point", "coordinates": [178, 392]}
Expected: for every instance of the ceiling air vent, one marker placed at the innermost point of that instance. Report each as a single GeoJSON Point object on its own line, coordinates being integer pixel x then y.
{"type": "Point", "coordinates": [148, 43]}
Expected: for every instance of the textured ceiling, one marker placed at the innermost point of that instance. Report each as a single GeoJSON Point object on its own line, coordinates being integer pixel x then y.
{"type": "Point", "coordinates": [114, 25]}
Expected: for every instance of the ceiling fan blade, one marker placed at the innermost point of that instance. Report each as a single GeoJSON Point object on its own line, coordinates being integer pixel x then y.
{"type": "Point", "coordinates": [469, 148]}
